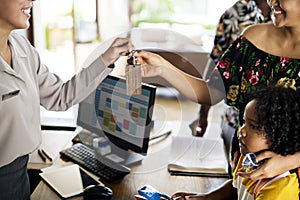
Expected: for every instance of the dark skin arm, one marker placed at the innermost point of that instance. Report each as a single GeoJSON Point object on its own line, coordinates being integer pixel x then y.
{"type": "Point", "coordinates": [194, 88]}
{"type": "Point", "coordinates": [199, 125]}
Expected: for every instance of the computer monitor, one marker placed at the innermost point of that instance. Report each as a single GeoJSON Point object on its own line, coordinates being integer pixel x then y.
{"type": "Point", "coordinates": [125, 120]}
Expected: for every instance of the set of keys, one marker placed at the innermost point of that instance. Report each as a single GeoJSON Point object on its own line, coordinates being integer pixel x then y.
{"type": "Point", "coordinates": [133, 74]}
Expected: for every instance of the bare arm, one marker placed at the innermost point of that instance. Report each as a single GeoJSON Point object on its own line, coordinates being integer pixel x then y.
{"type": "Point", "coordinates": [192, 87]}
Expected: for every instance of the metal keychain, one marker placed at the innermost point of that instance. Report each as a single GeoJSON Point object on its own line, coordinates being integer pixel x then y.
{"type": "Point", "coordinates": [133, 73]}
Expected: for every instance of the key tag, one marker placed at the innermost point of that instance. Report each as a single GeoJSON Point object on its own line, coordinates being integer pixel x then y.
{"type": "Point", "coordinates": [133, 73]}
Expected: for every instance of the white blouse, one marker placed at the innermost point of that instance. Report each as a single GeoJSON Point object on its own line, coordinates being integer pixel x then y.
{"type": "Point", "coordinates": [30, 84]}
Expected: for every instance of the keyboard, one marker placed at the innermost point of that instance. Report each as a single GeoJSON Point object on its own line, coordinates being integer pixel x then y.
{"type": "Point", "coordinates": [85, 157]}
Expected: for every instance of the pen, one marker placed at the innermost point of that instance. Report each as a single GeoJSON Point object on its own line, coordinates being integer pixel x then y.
{"type": "Point", "coordinates": [46, 154]}
{"type": "Point", "coordinates": [41, 155]}
{"type": "Point", "coordinates": [161, 135]}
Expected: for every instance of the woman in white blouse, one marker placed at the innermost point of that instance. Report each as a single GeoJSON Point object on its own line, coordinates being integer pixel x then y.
{"type": "Point", "coordinates": [25, 84]}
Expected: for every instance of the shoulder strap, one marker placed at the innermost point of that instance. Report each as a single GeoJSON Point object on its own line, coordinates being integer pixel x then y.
{"type": "Point", "coordinates": [259, 185]}
{"type": "Point", "coordinates": [264, 182]}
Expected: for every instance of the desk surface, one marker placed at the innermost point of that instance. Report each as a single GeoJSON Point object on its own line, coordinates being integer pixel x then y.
{"type": "Point", "coordinates": [152, 171]}
{"type": "Point", "coordinates": [159, 179]}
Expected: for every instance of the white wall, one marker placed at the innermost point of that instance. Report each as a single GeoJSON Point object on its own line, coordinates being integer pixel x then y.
{"type": "Point", "coordinates": [113, 17]}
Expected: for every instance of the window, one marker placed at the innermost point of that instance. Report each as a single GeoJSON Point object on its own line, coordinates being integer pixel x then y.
{"type": "Point", "coordinates": [66, 31]}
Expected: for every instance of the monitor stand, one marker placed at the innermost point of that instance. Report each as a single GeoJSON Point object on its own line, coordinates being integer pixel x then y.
{"type": "Point", "coordinates": [120, 156]}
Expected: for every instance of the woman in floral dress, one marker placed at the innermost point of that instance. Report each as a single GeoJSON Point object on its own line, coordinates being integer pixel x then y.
{"type": "Point", "coordinates": [263, 54]}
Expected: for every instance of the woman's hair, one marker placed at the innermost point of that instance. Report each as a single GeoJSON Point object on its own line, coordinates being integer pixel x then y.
{"type": "Point", "coordinates": [278, 113]}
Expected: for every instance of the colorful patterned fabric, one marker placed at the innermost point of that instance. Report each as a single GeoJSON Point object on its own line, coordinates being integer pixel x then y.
{"type": "Point", "coordinates": [244, 68]}
{"type": "Point", "coordinates": [231, 24]}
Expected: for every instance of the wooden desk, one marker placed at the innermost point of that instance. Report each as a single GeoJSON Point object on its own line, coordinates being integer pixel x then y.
{"type": "Point", "coordinates": [152, 171]}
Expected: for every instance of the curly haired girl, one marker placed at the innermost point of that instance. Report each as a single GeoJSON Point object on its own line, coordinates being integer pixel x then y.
{"type": "Point", "coordinates": [271, 123]}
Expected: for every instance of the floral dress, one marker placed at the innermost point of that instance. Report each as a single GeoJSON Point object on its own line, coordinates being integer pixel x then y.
{"type": "Point", "coordinates": [244, 68]}
{"type": "Point", "coordinates": [232, 22]}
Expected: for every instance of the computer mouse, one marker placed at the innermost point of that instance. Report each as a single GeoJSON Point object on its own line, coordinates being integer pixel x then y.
{"type": "Point", "coordinates": [97, 192]}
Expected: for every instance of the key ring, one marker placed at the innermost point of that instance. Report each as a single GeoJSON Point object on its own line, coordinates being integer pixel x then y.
{"type": "Point", "coordinates": [132, 60]}
{"type": "Point", "coordinates": [249, 161]}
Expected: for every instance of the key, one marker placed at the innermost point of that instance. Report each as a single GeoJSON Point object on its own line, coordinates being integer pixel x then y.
{"type": "Point", "coordinates": [133, 73]}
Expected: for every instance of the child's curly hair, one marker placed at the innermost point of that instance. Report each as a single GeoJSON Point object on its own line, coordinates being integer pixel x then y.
{"type": "Point", "coordinates": [278, 113]}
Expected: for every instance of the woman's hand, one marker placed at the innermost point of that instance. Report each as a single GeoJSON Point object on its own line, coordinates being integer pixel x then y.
{"type": "Point", "coordinates": [274, 164]}
{"type": "Point", "coordinates": [119, 47]}
{"type": "Point", "coordinates": [152, 64]}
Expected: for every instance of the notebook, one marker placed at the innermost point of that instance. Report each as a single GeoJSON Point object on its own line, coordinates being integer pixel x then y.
{"type": "Point", "coordinates": [197, 156]}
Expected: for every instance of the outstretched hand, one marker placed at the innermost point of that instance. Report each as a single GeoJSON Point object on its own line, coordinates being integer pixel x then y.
{"type": "Point", "coordinates": [119, 47]}
{"type": "Point", "coordinates": [152, 64]}
{"type": "Point", "coordinates": [274, 164]}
